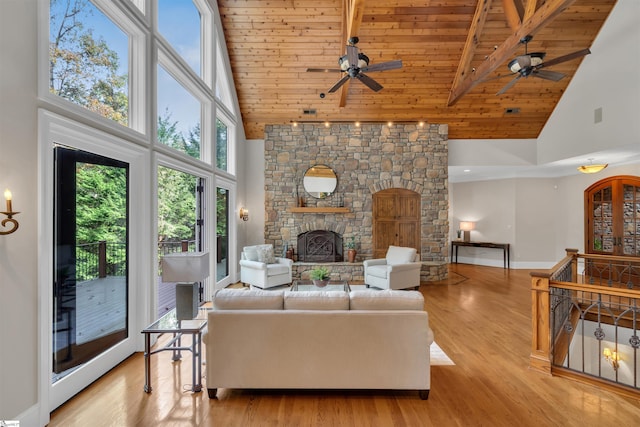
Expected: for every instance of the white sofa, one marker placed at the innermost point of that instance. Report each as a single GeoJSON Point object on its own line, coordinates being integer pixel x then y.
{"type": "Point", "coordinates": [400, 269]}
{"type": "Point", "coordinates": [260, 268]}
{"type": "Point", "coordinates": [363, 339]}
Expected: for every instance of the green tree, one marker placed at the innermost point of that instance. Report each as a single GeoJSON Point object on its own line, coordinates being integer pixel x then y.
{"type": "Point", "coordinates": [176, 205]}
{"type": "Point", "coordinates": [82, 67]}
{"type": "Point", "coordinates": [221, 145]}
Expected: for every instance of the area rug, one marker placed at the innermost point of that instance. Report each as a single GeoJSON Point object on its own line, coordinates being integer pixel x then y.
{"type": "Point", "coordinates": [439, 357]}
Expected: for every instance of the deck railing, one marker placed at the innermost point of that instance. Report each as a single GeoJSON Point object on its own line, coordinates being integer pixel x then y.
{"type": "Point", "coordinates": [101, 259]}
{"type": "Point", "coordinates": [586, 320]}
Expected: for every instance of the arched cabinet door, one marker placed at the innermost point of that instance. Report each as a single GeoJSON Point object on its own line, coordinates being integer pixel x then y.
{"type": "Point", "coordinates": [612, 216]}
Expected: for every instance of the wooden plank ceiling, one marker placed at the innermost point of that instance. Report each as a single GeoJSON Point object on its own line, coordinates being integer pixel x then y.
{"type": "Point", "coordinates": [451, 50]}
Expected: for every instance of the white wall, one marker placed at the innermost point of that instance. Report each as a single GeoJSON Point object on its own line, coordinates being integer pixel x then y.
{"type": "Point", "coordinates": [18, 172]}
{"type": "Point", "coordinates": [254, 192]}
{"type": "Point", "coordinates": [607, 79]}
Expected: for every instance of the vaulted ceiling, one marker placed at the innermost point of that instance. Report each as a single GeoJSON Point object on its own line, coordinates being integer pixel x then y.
{"type": "Point", "coordinates": [452, 53]}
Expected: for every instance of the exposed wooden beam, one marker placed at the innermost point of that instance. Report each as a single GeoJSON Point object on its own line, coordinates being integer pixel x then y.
{"type": "Point", "coordinates": [514, 12]}
{"type": "Point", "coordinates": [475, 31]}
{"type": "Point", "coordinates": [352, 18]}
{"type": "Point", "coordinates": [530, 9]}
{"type": "Point", "coordinates": [543, 16]}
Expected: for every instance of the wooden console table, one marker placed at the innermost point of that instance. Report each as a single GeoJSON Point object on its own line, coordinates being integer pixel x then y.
{"type": "Point", "coordinates": [504, 246]}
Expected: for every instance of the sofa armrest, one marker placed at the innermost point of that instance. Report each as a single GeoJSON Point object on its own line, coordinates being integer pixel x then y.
{"type": "Point", "coordinates": [370, 262]}
{"type": "Point", "coordinates": [256, 265]}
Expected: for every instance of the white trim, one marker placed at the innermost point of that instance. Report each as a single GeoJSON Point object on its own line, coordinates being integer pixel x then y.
{"type": "Point", "coordinates": [232, 227]}
{"type": "Point", "coordinates": [54, 128]}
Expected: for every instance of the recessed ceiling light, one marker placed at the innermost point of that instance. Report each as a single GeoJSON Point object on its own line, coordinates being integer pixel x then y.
{"type": "Point", "coordinates": [467, 170]}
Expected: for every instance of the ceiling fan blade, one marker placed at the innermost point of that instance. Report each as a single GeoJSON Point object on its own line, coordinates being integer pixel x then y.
{"type": "Point", "coordinates": [565, 58]}
{"type": "Point", "coordinates": [323, 70]}
{"type": "Point", "coordinates": [383, 66]}
{"type": "Point", "coordinates": [352, 55]}
{"type": "Point", "coordinates": [369, 82]}
{"type": "Point", "coordinates": [547, 75]}
{"type": "Point", "coordinates": [340, 83]}
{"type": "Point", "coordinates": [509, 85]}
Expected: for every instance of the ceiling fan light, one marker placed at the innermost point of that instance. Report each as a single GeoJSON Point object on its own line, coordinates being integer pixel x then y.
{"type": "Point", "coordinates": [343, 62]}
{"type": "Point", "coordinates": [514, 65]}
{"type": "Point", "coordinates": [592, 168]}
{"type": "Point", "coordinates": [363, 60]}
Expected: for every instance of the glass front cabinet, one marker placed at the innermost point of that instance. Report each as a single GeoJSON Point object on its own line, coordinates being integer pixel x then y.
{"type": "Point", "coordinates": [612, 217]}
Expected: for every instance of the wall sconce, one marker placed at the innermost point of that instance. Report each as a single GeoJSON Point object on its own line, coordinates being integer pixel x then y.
{"type": "Point", "coordinates": [467, 226]}
{"type": "Point", "coordinates": [9, 215]}
{"type": "Point", "coordinates": [612, 357]}
{"type": "Point", "coordinates": [244, 214]}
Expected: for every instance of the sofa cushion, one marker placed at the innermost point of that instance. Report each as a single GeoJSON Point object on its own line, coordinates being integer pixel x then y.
{"type": "Point", "coordinates": [275, 269]}
{"type": "Point", "coordinates": [388, 299]}
{"type": "Point", "coordinates": [400, 255]}
{"type": "Point", "coordinates": [252, 299]}
{"type": "Point", "coordinates": [316, 300]}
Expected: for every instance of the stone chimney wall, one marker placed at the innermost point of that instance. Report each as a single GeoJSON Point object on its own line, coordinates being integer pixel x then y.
{"type": "Point", "coordinates": [366, 158]}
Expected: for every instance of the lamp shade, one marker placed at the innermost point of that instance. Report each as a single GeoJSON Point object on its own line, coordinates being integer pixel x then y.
{"type": "Point", "coordinates": [467, 225]}
{"type": "Point", "coordinates": [185, 267]}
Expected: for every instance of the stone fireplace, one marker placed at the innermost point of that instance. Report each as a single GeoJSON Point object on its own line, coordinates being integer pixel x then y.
{"type": "Point", "coordinates": [320, 246]}
{"type": "Point", "coordinates": [366, 159]}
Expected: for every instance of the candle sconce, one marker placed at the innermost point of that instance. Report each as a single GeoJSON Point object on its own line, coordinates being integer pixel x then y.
{"type": "Point", "coordinates": [9, 216]}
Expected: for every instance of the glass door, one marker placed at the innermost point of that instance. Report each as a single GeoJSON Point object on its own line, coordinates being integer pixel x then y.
{"type": "Point", "coordinates": [91, 257]}
{"type": "Point", "coordinates": [222, 233]}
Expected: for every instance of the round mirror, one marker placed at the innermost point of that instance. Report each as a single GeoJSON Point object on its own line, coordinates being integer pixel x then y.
{"type": "Point", "coordinates": [320, 181]}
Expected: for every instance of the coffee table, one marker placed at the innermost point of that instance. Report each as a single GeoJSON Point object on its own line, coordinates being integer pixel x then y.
{"type": "Point", "coordinates": [332, 286]}
{"type": "Point", "coordinates": [170, 324]}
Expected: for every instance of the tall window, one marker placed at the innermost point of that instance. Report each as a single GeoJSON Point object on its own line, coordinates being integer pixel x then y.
{"type": "Point", "coordinates": [179, 23]}
{"type": "Point", "coordinates": [179, 196]}
{"type": "Point", "coordinates": [222, 136]}
{"type": "Point", "coordinates": [88, 59]}
{"type": "Point", "coordinates": [179, 116]}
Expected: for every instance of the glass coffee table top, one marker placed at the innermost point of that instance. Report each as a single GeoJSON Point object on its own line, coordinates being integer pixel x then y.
{"type": "Point", "coordinates": [169, 323]}
{"type": "Point", "coordinates": [332, 286]}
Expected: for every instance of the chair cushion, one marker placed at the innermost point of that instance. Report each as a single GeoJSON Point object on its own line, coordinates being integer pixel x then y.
{"type": "Point", "coordinates": [400, 255]}
{"type": "Point", "coordinates": [316, 300]}
{"type": "Point", "coordinates": [275, 269]}
{"type": "Point", "coordinates": [378, 271]}
{"type": "Point", "coordinates": [386, 300]}
{"type": "Point", "coordinates": [251, 254]}
{"type": "Point", "coordinates": [252, 299]}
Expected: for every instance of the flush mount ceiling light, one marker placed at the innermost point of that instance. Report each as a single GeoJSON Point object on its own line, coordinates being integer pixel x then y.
{"type": "Point", "coordinates": [591, 168]}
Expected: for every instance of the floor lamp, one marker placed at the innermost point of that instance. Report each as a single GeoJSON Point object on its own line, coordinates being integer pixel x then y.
{"type": "Point", "coordinates": [187, 269]}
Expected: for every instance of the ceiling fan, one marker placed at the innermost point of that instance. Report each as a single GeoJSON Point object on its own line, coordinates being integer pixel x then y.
{"type": "Point", "coordinates": [354, 64]}
{"type": "Point", "coordinates": [531, 64]}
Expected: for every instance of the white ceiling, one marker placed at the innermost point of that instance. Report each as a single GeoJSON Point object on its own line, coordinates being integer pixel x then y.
{"type": "Point", "coordinates": [566, 167]}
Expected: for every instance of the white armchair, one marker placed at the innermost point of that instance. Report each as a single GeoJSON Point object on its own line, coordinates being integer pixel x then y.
{"type": "Point", "coordinates": [400, 269]}
{"type": "Point", "coordinates": [260, 268]}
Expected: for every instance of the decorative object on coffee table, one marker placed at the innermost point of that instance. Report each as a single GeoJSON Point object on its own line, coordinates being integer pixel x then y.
{"type": "Point", "coordinates": [320, 276]}
{"type": "Point", "coordinates": [351, 249]}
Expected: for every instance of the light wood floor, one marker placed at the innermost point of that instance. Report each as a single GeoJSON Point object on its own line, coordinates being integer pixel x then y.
{"type": "Point", "coordinates": [480, 317]}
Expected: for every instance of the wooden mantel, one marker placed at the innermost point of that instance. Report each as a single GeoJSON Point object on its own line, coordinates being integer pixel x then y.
{"type": "Point", "coordinates": [319, 209]}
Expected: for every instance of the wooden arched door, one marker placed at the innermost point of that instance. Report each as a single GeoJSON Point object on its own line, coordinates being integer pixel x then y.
{"type": "Point", "coordinates": [612, 216]}
{"type": "Point", "coordinates": [396, 220]}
